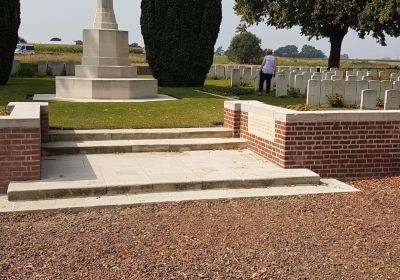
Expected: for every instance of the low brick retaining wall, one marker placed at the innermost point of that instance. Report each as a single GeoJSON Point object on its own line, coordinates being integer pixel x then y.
{"type": "Point", "coordinates": [339, 144]}
{"type": "Point", "coordinates": [21, 135]}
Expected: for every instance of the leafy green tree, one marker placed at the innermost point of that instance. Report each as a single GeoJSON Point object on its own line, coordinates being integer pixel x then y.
{"type": "Point", "coordinates": [287, 51]}
{"type": "Point", "coordinates": [327, 18]}
{"type": "Point", "coordinates": [180, 36]}
{"type": "Point", "coordinates": [245, 48]}
{"type": "Point", "coordinates": [311, 52]}
{"type": "Point", "coordinates": [9, 25]}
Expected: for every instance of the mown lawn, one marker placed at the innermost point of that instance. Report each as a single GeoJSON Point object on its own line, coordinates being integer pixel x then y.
{"type": "Point", "coordinates": [191, 109]}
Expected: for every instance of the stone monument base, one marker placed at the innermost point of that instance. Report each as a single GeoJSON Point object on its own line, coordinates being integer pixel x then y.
{"type": "Point", "coordinates": [103, 88]}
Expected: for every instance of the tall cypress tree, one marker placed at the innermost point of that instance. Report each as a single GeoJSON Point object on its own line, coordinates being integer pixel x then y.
{"type": "Point", "coordinates": [9, 25]}
{"type": "Point", "coordinates": [180, 36]}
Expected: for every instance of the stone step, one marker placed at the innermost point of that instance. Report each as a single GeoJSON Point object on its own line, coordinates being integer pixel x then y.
{"type": "Point", "coordinates": [137, 173]}
{"type": "Point", "coordinates": [138, 134]}
{"type": "Point", "coordinates": [140, 146]}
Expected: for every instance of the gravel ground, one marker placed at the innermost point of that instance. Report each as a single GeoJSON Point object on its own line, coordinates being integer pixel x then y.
{"type": "Point", "coordinates": [341, 236]}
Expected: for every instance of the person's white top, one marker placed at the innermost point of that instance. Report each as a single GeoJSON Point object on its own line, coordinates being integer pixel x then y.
{"type": "Point", "coordinates": [269, 65]}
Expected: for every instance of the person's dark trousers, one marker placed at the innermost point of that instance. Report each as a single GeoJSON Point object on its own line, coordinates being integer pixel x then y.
{"type": "Point", "coordinates": [265, 78]}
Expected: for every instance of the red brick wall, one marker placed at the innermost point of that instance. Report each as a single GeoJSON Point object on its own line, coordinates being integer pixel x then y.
{"type": "Point", "coordinates": [331, 149]}
{"type": "Point", "coordinates": [19, 155]}
{"type": "Point", "coordinates": [44, 125]}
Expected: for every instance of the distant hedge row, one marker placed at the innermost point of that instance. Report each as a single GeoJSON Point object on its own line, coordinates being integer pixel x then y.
{"type": "Point", "coordinates": [59, 49]}
{"type": "Point", "coordinates": [43, 48]}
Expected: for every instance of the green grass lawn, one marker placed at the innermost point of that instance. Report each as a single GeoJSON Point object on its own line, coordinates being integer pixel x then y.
{"type": "Point", "coordinates": [192, 109]}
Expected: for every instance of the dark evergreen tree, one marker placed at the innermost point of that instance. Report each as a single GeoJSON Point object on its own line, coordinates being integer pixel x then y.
{"type": "Point", "coordinates": [9, 25]}
{"type": "Point", "coordinates": [180, 36]}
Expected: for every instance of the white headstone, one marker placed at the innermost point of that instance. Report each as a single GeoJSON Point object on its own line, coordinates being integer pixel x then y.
{"type": "Point", "coordinates": [350, 95]}
{"type": "Point", "coordinates": [235, 78]}
{"type": "Point", "coordinates": [292, 74]}
{"type": "Point", "coordinates": [57, 68]}
{"type": "Point", "coordinates": [361, 85]}
{"type": "Point", "coordinates": [246, 78]}
{"type": "Point", "coordinates": [257, 83]}
{"type": "Point", "coordinates": [316, 76]}
{"type": "Point", "coordinates": [336, 77]}
{"type": "Point", "coordinates": [385, 85]}
{"type": "Point", "coordinates": [220, 72]}
{"type": "Point", "coordinates": [396, 85]}
{"type": "Point", "coordinates": [338, 87]}
{"type": "Point", "coordinates": [392, 99]}
{"type": "Point", "coordinates": [368, 99]}
{"type": "Point", "coordinates": [328, 75]}
{"type": "Point", "coordinates": [70, 68]}
{"type": "Point", "coordinates": [304, 69]}
{"type": "Point", "coordinates": [281, 85]}
{"type": "Point", "coordinates": [300, 83]}
{"type": "Point", "coordinates": [394, 77]}
{"type": "Point", "coordinates": [326, 90]}
{"type": "Point", "coordinates": [375, 85]}
{"type": "Point", "coordinates": [313, 92]}
{"type": "Point", "coordinates": [366, 78]}
{"type": "Point", "coordinates": [211, 73]}
{"type": "Point", "coordinates": [339, 73]}
{"type": "Point", "coordinates": [42, 68]}
{"type": "Point", "coordinates": [255, 71]}
{"type": "Point", "coordinates": [228, 72]}
{"type": "Point", "coordinates": [351, 78]}
{"type": "Point", "coordinates": [351, 73]}
{"type": "Point", "coordinates": [15, 67]}
{"type": "Point", "coordinates": [314, 70]}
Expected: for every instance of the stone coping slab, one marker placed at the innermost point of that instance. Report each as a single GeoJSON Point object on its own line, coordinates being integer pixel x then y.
{"type": "Point", "coordinates": [52, 97]}
{"type": "Point", "coordinates": [23, 114]}
{"type": "Point", "coordinates": [288, 115]}
{"type": "Point", "coordinates": [329, 186]}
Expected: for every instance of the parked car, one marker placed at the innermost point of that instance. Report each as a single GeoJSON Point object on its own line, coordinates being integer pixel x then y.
{"type": "Point", "coordinates": [25, 49]}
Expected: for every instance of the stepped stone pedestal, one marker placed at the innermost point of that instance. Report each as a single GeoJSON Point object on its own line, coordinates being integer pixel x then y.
{"type": "Point", "coordinates": [106, 71]}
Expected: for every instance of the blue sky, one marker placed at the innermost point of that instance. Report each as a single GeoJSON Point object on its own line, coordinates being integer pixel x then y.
{"type": "Point", "coordinates": [44, 19]}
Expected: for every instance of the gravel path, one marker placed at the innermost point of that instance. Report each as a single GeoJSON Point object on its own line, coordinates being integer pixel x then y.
{"type": "Point", "coordinates": [340, 236]}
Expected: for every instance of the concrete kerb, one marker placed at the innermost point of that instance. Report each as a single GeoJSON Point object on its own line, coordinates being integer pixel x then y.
{"type": "Point", "coordinates": [328, 186]}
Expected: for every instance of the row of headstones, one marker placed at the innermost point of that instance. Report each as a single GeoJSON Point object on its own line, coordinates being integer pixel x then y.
{"type": "Point", "coordinates": [52, 68]}
{"type": "Point", "coordinates": [225, 71]}
{"type": "Point", "coordinates": [369, 99]}
{"type": "Point", "coordinates": [297, 79]}
{"type": "Point", "coordinates": [351, 91]}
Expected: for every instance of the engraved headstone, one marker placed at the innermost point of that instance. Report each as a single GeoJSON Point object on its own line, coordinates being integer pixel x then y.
{"type": "Point", "coordinates": [361, 85]}
{"type": "Point", "coordinates": [42, 68]}
{"type": "Point", "coordinates": [368, 99]}
{"type": "Point", "coordinates": [326, 90]}
{"type": "Point", "coordinates": [235, 77]}
{"type": "Point", "coordinates": [385, 85]}
{"type": "Point", "coordinates": [281, 85]}
{"type": "Point", "coordinates": [300, 83]}
{"type": "Point", "coordinates": [313, 92]}
{"type": "Point", "coordinates": [350, 89]}
{"type": "Point", "coordinates": [246, 76]}
{"type": "Point", "coordinates": [220, 72]}
{"type": "Point", "coordinates": [392, 99]}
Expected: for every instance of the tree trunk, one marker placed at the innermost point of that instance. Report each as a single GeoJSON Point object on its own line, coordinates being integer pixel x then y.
{"type": "Point", "coordinates": [336, 40]}
{"type": "Point", "coordinates": [9, 25]}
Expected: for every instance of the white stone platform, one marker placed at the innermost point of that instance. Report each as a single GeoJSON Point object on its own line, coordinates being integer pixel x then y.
{"type": "Point", "coordinates": [53, 97]}
{"type": "Point", "coordinates": [115, 174]}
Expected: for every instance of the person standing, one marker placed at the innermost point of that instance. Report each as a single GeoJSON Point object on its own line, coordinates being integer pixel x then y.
{"type": "Point", "coordinates": [267, 72]}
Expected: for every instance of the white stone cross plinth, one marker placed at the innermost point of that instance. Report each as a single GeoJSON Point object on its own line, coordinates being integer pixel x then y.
{"type": "Point", "coordinates": [105, 16]}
